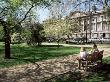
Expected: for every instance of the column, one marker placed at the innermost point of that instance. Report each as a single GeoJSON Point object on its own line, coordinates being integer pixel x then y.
{"type": "Point", "coordinates": [102, 23]}
{"type": "Point", "coordinates": [96, 25]}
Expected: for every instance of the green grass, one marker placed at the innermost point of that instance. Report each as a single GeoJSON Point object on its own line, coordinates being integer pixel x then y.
{"type": "Point", "coordinates": [23, 54]}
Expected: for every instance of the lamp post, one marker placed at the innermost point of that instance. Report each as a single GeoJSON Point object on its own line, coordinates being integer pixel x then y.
{"type": "Point", "coordinates": [85, 27]}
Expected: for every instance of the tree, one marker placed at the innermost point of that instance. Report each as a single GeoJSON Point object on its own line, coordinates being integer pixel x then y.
{"type": "Point", "coordinates": [61, 28]}
{"type": "Point", "coordinates": [1, 34]}
{"type": "Point", "coordinates": [73, 26]}
{"type": "Point", "coordinates": [107, 9]}
{"type": "Point", "coordinates": [37, 34]}
{"type": "Point", "coordinates": [54, 28]}
{"type": "Point", "coordinates": [11, 15]}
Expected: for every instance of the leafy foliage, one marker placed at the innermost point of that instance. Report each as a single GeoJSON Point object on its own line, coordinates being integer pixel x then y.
{"type": "Point", "coordinates": [16, 38]}
{"type": "Point", "coordinates": [55, 27]}
{"type": "Point", "coordinates": [37, 34]}
{"type": "Point", "coordinates": [10, 16]}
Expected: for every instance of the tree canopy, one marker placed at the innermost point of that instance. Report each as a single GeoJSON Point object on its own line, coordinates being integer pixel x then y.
{"type": "Point", "coordinates": [12, 15]}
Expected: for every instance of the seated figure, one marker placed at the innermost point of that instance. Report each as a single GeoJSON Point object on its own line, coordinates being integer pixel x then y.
{"type": "Point", "coordinates": [83, 56]}
{"type": "Point", "coordinates": [83, 53]}
{"type": "Point", "coordinates": [94, 49]}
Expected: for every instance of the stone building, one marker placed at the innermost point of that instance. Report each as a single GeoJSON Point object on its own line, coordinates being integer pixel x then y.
{"type": "Point", "coordinates": [94, 25]}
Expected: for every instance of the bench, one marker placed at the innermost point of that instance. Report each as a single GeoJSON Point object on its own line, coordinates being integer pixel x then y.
{"type": "Point", "coordinates": [91, 59]}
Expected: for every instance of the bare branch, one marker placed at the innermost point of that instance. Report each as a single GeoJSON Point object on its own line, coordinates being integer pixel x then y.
{"type": "Point", "coordinates": [87, 1]}
{"type": "Point", "coordinates": [26, 14]}
{"type": "Point", "coordinates": [79, 4]}
{"type": "Point", "coordinates": [4, 9]}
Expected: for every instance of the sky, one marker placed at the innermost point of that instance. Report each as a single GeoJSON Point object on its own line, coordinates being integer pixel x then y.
{"type": "Point", "coordinates": [43, 13]}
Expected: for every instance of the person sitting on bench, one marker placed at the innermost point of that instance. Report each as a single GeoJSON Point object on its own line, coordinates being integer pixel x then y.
{"type": "Point", "coordinates": [83, 55]}
{"type": "Point", "coordinates": [94, 49]}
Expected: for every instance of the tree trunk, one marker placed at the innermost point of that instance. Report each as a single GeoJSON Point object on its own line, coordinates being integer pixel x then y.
{"type": "Point", "coordinates": [7, 42]}
{"type": "Point", "coordinates": [86, 35]}
{"type": "Point", "coordinates": [58, 41]}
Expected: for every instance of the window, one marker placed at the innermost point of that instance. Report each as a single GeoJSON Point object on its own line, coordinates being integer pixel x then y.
{"type": "Point", "coordinates": [105, 17]}
{"type": "Point", "coordinates": [94, 35]}
{"type": "Point", "coordinates": [93, 27]}
{"type": "Point", "coordinates": [103, 35]}
{"type": "Point", "coordinates": [107, 36]}
{"type": "Point", "coordinates": [99, 19]}
{"type": "Point", "coordinates": [99, 28]}
{"type": "Point", "coordinates": [105, 26]}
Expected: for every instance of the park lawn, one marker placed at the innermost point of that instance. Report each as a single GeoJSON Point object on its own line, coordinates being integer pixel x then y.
{"type": "Point", "coordinates": [22, 54]}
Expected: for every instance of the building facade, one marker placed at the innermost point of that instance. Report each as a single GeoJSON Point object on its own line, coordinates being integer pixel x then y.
{"type": "Point", "coordinates": [94, 25]}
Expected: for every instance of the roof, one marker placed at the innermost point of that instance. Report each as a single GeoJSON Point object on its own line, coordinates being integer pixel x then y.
{"type": "Point", "coordinates": [77, 14]}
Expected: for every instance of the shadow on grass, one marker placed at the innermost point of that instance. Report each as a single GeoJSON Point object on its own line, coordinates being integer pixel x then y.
{"type": "Point", "coordinates": [100, 73]}
{"type": "Point", "coordinates": [26, 54]}
{"type": "Point", "coordinates": [24, 60]}
{"type": "Point", "coordinates": [66, 77]}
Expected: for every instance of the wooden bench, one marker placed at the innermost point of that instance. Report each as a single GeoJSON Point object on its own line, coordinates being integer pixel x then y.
{"type": "Point", "coordinates": [91, 59]}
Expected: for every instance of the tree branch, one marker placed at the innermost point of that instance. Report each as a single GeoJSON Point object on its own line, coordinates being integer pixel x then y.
{"type": "Point", "coordinates": [79, 4]}
{"type": "Point", "coordinates": [4, 9]}
{"type": "Point", "coordinates": [100, 1]}
{"type": "Point", "coordinates": [26, 14]}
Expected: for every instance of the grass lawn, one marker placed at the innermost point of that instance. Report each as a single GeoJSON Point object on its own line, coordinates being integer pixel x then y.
{"type": "Point", "coordinates": [22, 54]}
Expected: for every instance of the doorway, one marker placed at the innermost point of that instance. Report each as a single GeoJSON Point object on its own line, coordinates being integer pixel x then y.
{"type": "Point", "coordinates": [103, 35]}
